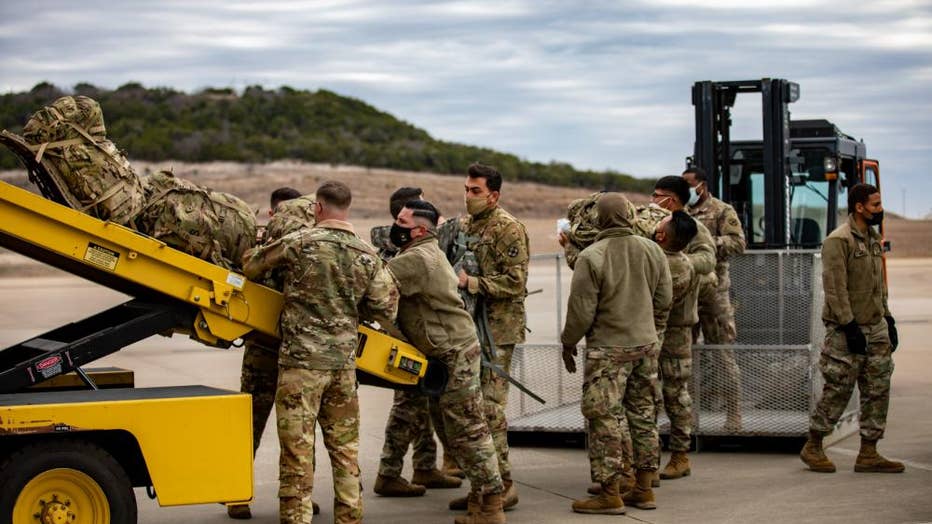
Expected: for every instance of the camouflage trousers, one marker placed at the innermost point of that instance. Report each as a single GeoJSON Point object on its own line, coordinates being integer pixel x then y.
{"type": "Point", "coordinates": [409, 423]}
{"type": "Point", "coordinates": [717, 322]}
{"type": "Point", "coordinates": [460, 419]}
{"type": "Point", "coordinates": [611, 382]}
{"type": "Point", "coordinates": [304, 398]}
{"type": "Point", "coordinates": [495, 398]}
{"type": "Point", "coordinates": [259, 378]}
{"type": "Point", "coordinates": [842, 369]}
{"type": "Point", "coordinates": [676, 368]}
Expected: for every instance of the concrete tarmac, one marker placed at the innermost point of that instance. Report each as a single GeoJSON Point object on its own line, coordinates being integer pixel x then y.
{"type": "Point", "coordinates": [725, 486]}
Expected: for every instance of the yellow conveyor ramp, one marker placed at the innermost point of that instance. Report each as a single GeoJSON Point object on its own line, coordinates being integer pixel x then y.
{"type": "Point", "coordinates": [174, 292]}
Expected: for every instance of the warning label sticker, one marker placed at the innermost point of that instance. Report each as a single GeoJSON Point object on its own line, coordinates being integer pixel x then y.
{"type": "Point", "coordinates": [101, 257]}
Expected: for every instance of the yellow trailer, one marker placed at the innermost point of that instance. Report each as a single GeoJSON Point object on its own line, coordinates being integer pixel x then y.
{"type": "Point", "coordinates": [74, 456]}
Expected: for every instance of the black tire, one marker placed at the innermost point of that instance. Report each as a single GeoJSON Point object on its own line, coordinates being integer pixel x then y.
{"type": "Point", "coordinates": [32, 460]}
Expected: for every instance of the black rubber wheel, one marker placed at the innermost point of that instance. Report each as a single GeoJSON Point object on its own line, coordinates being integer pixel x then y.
{"type": "Point", "coordinates": [65, 480]}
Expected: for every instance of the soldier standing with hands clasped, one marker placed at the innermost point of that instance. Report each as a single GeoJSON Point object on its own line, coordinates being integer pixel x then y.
{"type": "Point", "coordinates": [860, 335]}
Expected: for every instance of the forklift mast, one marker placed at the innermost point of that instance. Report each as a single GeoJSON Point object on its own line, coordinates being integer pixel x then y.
{"type": "Point", "coordinates": [713, 102]}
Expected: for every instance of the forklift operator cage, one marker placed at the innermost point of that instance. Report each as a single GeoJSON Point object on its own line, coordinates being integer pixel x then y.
{"type": "Point", "coordinates": [777, 297]}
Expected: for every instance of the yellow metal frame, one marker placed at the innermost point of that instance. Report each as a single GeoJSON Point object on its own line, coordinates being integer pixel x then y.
{"type": "Point", "coordinates": [229, 305]}
{"type": "Point", "coordinates": [198, 449]}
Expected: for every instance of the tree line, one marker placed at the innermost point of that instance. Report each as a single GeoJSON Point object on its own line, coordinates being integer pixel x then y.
{"type": "Point", "coordinates": [260, 125]}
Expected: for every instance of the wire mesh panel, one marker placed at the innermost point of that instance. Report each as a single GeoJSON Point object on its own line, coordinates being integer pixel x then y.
{"type": "Point", "coordinates": [766, 383]}
{"type": "Point", "coordinates": [540, 368]}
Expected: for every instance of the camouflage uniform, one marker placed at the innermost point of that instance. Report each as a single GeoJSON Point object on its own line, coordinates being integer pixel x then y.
{"type": "Point", "coordinates": [331, 278]}
{"type": "Point", "coordinates": [501, 247]}
{"type": "Point", "coordinates": [676, 351]}
{"type": "Point", "coordinates": [716, 314]}
{"type": "Point", "coordinates": [855, 290]}
{"type": "Point", "coordinates": [432, 318]}
{"type": "Point", "coordinates": [620, 298]}
{"type": "Point", "coordinates": [259, 374]}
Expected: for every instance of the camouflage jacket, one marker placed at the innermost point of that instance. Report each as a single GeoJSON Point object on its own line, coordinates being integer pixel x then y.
{"type": "Point", "coordinates": [501, 247]}
{"type": "Point", "coordinates": [332, 280]}
{"type": "Point", "coordinates": [582, 215]}
{"type": "Point", "coordinates": [430, 311]}
{"type": "Point", "coordinates": [684, 311]}
{"type": "Point", "coordinates": [727, 235]}
{"type": "Point", "coordinates": [290, 216]}
{"type": "Point", "coordinates": [700, 251]}
{"type": "Point", "coordinates": [853, 276]}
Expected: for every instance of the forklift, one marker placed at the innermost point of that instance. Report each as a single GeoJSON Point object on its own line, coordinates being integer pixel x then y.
{"type": "Point", "coordinates": [790, 188]}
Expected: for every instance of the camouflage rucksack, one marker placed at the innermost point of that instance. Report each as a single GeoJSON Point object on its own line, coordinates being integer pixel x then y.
{"type": "Point", "coordinates": [68, 139]}
{"type": "Point", "coordinates": [584, 224]}
{"type": "Point", "coordinates": [217, 227]}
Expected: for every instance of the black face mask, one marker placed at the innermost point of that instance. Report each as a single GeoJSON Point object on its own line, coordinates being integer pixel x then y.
{"type": "Point", "coordinates": [875, 219]}
{"type": "Point", "coordinates": [400, 236]}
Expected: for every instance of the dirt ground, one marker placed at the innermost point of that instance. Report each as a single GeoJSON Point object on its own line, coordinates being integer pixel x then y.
{"type": "Point", "coordinates": [538, 206]}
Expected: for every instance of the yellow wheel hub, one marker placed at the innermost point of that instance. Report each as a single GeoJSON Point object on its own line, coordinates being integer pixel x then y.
{"type": "Point", "coordinates": [62, 496]}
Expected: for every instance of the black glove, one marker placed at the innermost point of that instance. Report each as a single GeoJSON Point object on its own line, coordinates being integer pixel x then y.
{"type": "Point", "coordinates": [857, 343]}
{"type": "Point", "coordinates": [569, 358]}
{"type": "Point", "coordinates": [894, 336]}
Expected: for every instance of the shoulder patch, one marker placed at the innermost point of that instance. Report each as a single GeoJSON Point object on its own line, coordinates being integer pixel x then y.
{"type": "Point", "coordinates": [513, 251]}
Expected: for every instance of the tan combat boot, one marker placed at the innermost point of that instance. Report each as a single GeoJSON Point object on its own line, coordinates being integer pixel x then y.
{"type": "Point", "coordinates": [642, 496]}
{"type": "Point", "coordinates": [814, 456]}
{"type": "Point", "coordinates": [869, 461]}
{"type": "Point", "coordinates": [488, 510]}
{"type": "Point", "coordinates": [677, 467]}
{"type": "Point", "coordinates": [606, 502]}
{"type": "Point", "coordinates": [625, 485]}
{"type": "Point", "coordinates": [510, 494]}
{"type": "Point", "coordinates": [451, 468]}
{"type": "Point", "coordinates": [435, 479]}
{"type": "Point", "coordinates": [396, 487]}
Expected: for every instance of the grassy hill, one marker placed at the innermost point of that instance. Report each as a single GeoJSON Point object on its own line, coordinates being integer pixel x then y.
{"type": "Point", "coordinates": [260, 125]}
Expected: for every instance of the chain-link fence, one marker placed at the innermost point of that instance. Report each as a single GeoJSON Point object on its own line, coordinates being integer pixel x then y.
{"type": "Point", "coordinates": [764, 384]}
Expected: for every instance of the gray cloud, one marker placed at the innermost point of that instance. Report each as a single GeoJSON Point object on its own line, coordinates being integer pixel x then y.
{"type": "Point", "coordinates": [598, 84]}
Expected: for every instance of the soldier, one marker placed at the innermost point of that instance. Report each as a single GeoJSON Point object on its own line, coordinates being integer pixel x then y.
{"type": "Point", "coordinates": [620, 297]}
{"type": "Point", "coordinates": [860, 335]}
{"type": "Point", "coordinates": [716, 314]}
{"type": "Point", "coordinates": [332, 278]}
{"type": "Point", "coordinates": [259, 375]}
{"type": "Point", "coordinates": [431, 316]}
{"type": "Point", "coordinates": [409, 421]}
{"type": "Point", "coordinates": [673, 234]}
{"type": "Point", "coordinates": [669, 195]}
{"type": "Point", "coordinates": [501, 248]}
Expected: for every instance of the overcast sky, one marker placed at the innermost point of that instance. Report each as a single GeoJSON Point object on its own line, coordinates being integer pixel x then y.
{"type": "Point", "coordinates": [602, 85]}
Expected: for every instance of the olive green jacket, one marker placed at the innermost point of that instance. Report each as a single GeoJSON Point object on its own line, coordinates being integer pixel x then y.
{"type": "Point", "coordinates": [853, 276]}
{"type": "Point", "coordinates": [621, 292]}
{"type": "Point", "coordinates": [430, 313]}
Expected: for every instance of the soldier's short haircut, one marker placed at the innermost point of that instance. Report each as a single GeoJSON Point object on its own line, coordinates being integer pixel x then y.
{"type": "Point", "coordinates": [698, 173]}
{"type": "Point", "coordinates": [493, 179]}
{"type": "Point", "coordinates": [860, 194]}
{"type": "Point", "coordinates": [676, 185]}
{"type": "Point", "coordinates": [400, 197]}
{"type": "Point", "coordinates": [424, 209]}
{"type": "Point", "coordinates": [335, 193]}
{"type": "Point", "coordinates": [683, 228]}
{"type": "Point", "coordinates": [282, 194]}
